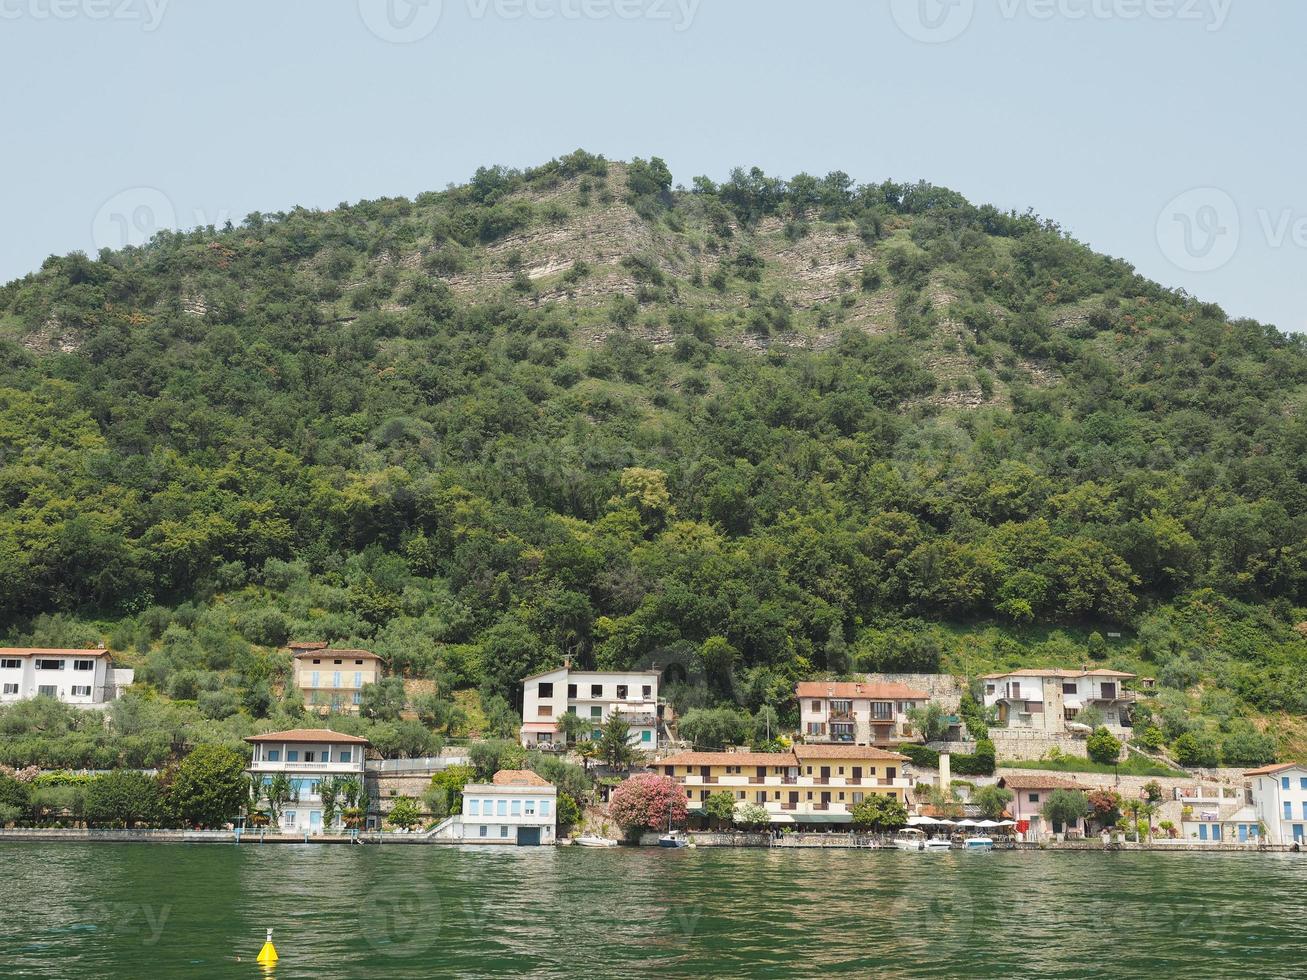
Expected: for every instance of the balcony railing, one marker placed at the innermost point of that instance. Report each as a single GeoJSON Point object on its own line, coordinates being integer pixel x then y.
{"type": "Point", "coordinates": [263, 765]}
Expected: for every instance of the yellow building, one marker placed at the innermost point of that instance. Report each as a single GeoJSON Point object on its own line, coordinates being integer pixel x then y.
{"type": "Point", "coordinates": [332, 680]}
{"type": "Point", "coordinates": [812, 784]}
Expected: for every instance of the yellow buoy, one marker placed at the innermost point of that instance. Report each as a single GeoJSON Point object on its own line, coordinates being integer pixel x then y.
{"type": "Point", "coordinates": [268, 954]}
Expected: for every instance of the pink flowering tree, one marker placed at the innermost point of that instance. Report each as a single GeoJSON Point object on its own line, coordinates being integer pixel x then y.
{"type": "Point", "coordinates": [648, 802]}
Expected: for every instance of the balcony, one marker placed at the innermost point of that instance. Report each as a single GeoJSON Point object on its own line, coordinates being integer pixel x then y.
{"type": "Point", "coordinates": [263, 765]}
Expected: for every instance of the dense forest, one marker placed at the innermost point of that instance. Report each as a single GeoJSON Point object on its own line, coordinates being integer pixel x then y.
{"type": "Point", "coordinates": [766, 429]}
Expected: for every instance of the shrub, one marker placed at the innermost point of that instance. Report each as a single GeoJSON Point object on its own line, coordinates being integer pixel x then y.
{"type": "Point", "coordinates": [648, 802]}
{"type": "Point", "coordinates": [1103, 747]}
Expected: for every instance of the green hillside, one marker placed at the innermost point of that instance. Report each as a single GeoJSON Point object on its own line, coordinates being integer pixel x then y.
{"type": "Point", "coordinates": [762, 428]}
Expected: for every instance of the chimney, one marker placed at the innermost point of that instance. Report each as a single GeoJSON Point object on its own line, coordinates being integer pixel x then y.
{"type": "Point", "coordinates": [567, 663]}
{"type": "Point", "coordinates": [945, 771]}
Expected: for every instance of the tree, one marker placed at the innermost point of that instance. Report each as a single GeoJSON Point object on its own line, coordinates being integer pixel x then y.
{"type": "Point", "coordinates": [329, 793]}
{"type": "Point", "coordinates": [930, 721]}
{"type": "Point", "coordinates": [1195, 750]}
{"type": "Point", "coordinates": [569, 812]}
{"type": "Point", "coordinates": [209, 787]}
{"type": "Point", "coordinates": [711, 729]}
{"type": "Point", "coordinates": [125, 797]}
{"type": "Point", "coordinates": [1103, 747]}
{"type": "Point", "coordinates": [489, 757]}
{"type": "Point", "coordinates": [384, 700]}
{"type": "Point", "coordinates": [1065, 807]}
{"type": "Point", "coordinates": [648, 802]}
{"type": "Point", "coordinates": [720, 807]}
{"type": "Point", "coordinates": [992, 800]}
{"type": "Point", "coordinates": [1245, 746]}
{"type": "Point", "coordinates": [880, 813]}
{"type": "Point", "coordinates": [444, 795]}
{"type": "Point", "coordinates": [751, 816]}
{"type": "Point", "coordinates": [404, 813]}
{"type": "Point", "coordinates": [614, 743]}
{"type": "Point", "coordinates": [1153, 791]}
{"type": "Point", "coordinates": [1104, 806]}
{"type": "Point", "coordinates": [572, 726]}
{"type": "Point", "coordinates": [277, 790]}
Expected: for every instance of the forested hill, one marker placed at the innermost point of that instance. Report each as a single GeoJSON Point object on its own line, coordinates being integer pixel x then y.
{"type": "Point", "coordinates": [772, 427]}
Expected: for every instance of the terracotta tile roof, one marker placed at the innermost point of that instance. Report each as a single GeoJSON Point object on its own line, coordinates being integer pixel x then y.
{"type": "Point", "coordinates": [519, 777]}
{"type": "Point", "coordinates": [1035, 780]}
{"type": "Point", "coordinates": [324, 652]}
{"type": "Point", "coordinates": [1272, 770]}
{"type": "Point", "coordinates": [50, 652]}
{"type": "Point", "coordinates": [729, 759]}
{"type": "Point", "coordinates": [1057, 672]}
{"type": "Point", "coordinates": [846, 752]}
{"type": "Point", "coordinates": [308, 735]}
{"type": "Point", "coordinates": [307, 644]}
{"type": "Point", "coordinates": [891, 691]}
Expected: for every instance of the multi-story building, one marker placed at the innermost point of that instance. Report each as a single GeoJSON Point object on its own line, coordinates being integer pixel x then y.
{"type": "Point", "coordinates": [82, 678]}
{"type": "Point", "coordinates": [594, 696]}
{"type": "Point", "coordinates": [1279, 800]}
{"type": "Point", "coordinates": [1030, 791]}
{"type": "Point", "coordinates": [1050, 700]}
{"type": "Point", "coordinates": [306, 756]}
{"type": "Point", "coordinates": [810, 785]}
{"type": "Point", "coordinates": [332, 680]}
{"type": "Point", "coordinates": [857, 713]}
{"type": "Point", "coordinates": [516, 807]}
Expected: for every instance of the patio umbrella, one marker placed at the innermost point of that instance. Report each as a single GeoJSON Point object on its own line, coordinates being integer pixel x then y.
{"type": "Point", "coordinates": [967, 823]}
{"type": "Point", "coordinates": [988, 823]}
{"type": "Point", "coordinates": [923, 822]}
{"type": "Point", "coordinates": [1006, 823]}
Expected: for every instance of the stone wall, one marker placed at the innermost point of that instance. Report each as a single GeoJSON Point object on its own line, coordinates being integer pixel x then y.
{"type": "Point", "coordinates": [1021, 745]}
{"type": "Point", "coordinates": [942, 688]}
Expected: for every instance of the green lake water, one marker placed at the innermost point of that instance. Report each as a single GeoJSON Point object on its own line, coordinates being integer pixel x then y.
{"type": "Point", "coordinates": [137, 910]}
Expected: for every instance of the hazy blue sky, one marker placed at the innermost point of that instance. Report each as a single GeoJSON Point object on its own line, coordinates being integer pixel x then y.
{"type": "Point", "coordinates": [1105, 115]}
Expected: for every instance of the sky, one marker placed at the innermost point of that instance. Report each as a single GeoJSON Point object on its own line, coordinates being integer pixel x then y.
{"type": "Point", "coordinates": [1169, 133]}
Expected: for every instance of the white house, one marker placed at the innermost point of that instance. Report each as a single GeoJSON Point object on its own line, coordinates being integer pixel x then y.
{"type": "Point", "coordinates": [306, 756]}
{"type": "Point", "coordinates": [1280, 801]}
{"type": "Point", "coordinates": [857, 712]}
{"type": "Point", "coordinates": [82, 678]}
{"type": "Point", "coordinates": [1047, 700]}
{"type": "Point", "coordinates": [593, 695]}
{"type": "Point", "coordinates": [515, 807]}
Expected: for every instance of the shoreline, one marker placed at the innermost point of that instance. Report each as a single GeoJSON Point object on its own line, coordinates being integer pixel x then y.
{"type": "Point", "coordinates": [708, 840]}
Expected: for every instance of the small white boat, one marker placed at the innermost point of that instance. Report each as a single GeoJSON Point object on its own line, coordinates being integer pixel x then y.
{"type": "Point", "coordinates": [673, 838]}
{"type": "Point", "coordinates": [911, 839]}
{"type": "Point", "coordinates": [978, 844]}
{"type": "Point", "coordinates": [593, 840]}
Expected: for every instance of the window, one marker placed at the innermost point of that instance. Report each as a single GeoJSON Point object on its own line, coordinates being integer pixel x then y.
{"type": "Point", "coordinates": [1284, 782]}
{"type": "Point", "coordinates": [358, 678]}
{"type": "Point", "coordinates": [293, 755]}
{"type": "Point", "coordinates": [1033, 797]}
{"type": "Point", "coordinates": [816, 728]}
{"type": "Point", "coordinates": [501, 808]}
{"type": "Point", "coordinates": [503, 830]}
{"type": "Point", "coordinates": [989, 688]}
{"type": "Point", "coordinates": [316, 660]}
{"type": "Point", "coordinates": [621, 692]}
{"type": "Point", "coordinates": [546, 689]}
{"type": "Point", "coordinates": [841, 707]}
{"type": "Point", "coordinates": [517, 808]}
{"type": "Point", "coordinates": [8, 664]}
{"type": "Point", "coordinates": [346, 755]}
{"type": "Point", "coordinates": [273, 755]}
{"type": "Point", "coordinates": [544, 711]}
{"type": "Point", "coordinates": [485, 831]}
{"type": "Point", "coordinates": [1288, 811]}
{"type": "Point", "coordinates": [1070, 713]}
{"type": "Point", "coordinates": [338, 662]}
{"type": "Point", "coordinates": [529, 808]}
{"type": "Point", "coordinates": [11, 689]}
{"type": "Point", "coordinates": [646, 736]}
{"type": "Point", "coordinates": [48, 690]}
{"type": "Point", "coordinates": [289, 818]}
{"type": "Point", "coordinates": [1304, 811]}
{"type": "Point", "coordinates": [596, 711]}
{"type": "Point", "coordinates": [882, 710]}
{"type": "Point", "coordinates": [596, 690]}
{"type": "Point", "coordinates": [81, 690]}
{"type": "Point", "coordinates": [49, 665]}
{"type": "Point", "coordinates": [83, 665]}
{"type": "Point", "coordinates": [313, 679]}
{"type": "Point", "coordinates": [816, 706]}
{"type": "Point", "coordinates": [646, 691]}
{"type": "Point", "coordinates": [358, 697]}
{"type": "Point", "coordinates": [1070, 689]}
{"type": "Point", "coordinates": [335, 678]}
{"type": "Point", "coordinates": [1302, 783]}
{"type": "Point", "coordinates": [358, 663]}
{"type": "Point", "coordinates": [544, 808]}
{"type": "Point", "coordinates": [474, 808]}
{"type": "Point", "coordinates": [571, 692]}
{"type": "Point", "coordinates": [309, 756]}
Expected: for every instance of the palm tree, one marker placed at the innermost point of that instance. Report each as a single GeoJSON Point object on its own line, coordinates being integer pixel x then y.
{"type": "Point", "coordinates": [279, 792]}
{"type": "Point", "coordinates": [329, 791]}
{"type": "Point", "coordinates": [254, 793]}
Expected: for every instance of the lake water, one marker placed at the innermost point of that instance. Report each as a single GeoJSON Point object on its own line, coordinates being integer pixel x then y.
{"type": "Point", "coordinates": [137, 910]}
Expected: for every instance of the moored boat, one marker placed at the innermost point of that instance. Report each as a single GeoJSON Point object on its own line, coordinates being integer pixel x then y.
{"type": "Point", "coordinates": [978, 844]}
{"type": "Point", "coordinates": [673, 838]}
{"type": "Point", "coordinates": [594, 840]}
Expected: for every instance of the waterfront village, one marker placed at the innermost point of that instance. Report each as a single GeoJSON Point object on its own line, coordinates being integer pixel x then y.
{"type": "Point", "coordinates": [1030, 758]}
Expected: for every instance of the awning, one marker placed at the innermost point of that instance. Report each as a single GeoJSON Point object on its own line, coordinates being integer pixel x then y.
{"type": "Point", "coordinates": [823, 818]}
{"type": "Point", "coordinates": [539, 726]}
{"type": "Point", "coordinates": [781, 818]}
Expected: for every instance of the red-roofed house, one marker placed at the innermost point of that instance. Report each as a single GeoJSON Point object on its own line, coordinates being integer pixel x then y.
{"type": "Point", "coordinates": [306, 756]}
{"type": "Point", "coordinates": [857, 712]}
{"type": "Point", "coordinates": [81, 678]}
